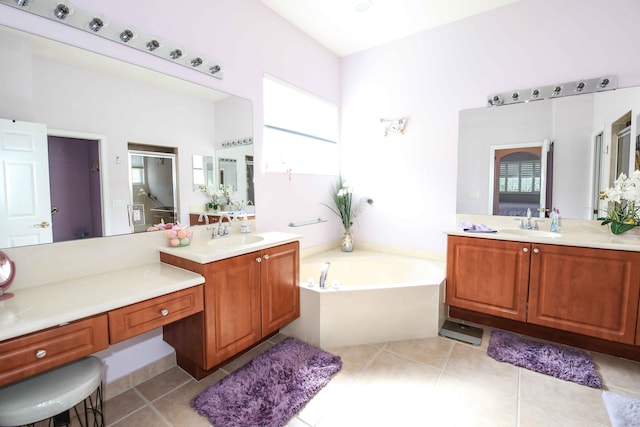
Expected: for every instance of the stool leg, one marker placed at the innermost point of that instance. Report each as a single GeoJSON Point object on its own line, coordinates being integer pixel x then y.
{"type": "Point", "coordinates": [93, 407]}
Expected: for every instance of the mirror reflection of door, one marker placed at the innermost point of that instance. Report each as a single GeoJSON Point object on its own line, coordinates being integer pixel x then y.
{"type": "Point", "coordinates": [153, 187]}
{"type": "Point", "coordinates": [25, 206]}
{"type": "Point", "coordinates": [521, 181]}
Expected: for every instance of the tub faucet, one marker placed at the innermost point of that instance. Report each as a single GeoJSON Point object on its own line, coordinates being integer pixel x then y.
{"type": "Point", "coordinates": [323, 274]}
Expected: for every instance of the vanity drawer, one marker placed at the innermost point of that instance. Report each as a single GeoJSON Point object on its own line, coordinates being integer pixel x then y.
{"type": "Point", "coordinates": [30, 354]}
{"type": "Point", "coordinates": [135, 319]}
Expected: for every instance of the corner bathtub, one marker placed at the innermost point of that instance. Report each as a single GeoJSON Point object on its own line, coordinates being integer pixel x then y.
{"type": "Point", "coordinates": [379, 297]}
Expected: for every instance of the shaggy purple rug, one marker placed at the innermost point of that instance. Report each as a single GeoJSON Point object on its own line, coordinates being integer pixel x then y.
{"type": "Point", "coordinates": [566, 363]}
{"type": "Point", "coordinates": [269, 390]}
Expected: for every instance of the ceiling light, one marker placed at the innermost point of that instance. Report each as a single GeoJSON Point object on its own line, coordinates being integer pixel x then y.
{"type": "Point", "coordinates": [603, 83]}
{"type": "Point", "coordinates": [580, 87]}
{"type": "Point", "coordinates": [22, 3]}
{"type": "Point", "coordinates": [196, 62]}
{"type": "Point", "coordinates": [363, 6]}
{"type": "Point", "coordinates": [215, 69]}
{"type": "Point", "coordinates": [175, 54]}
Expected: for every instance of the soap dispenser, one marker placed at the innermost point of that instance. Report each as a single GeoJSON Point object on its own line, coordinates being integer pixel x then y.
{"type": "Point", "coordinates": [244, 225]}
{"type": "Point", "coordinates": [555, 217]}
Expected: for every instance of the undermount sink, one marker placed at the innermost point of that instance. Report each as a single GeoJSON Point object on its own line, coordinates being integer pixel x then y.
{"type": "Point", "coordinates": [235, 240]}
{"type": "Point", "coordinates": [531, 233]}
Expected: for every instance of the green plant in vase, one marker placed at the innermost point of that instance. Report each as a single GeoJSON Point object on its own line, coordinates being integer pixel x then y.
{"type": "Point", "coordinates": [346, 209]}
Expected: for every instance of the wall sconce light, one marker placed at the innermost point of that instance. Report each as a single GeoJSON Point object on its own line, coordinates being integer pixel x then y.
{"type": "Point", "coordinates": [152, 45]}
{"type": "Point", "coordinates": [96, 24]}
{"type": "Point", "coordinates": [394, 125]}
{"type": "Point", "coordinates": [554, 91]}
{"type": "Point", "coordinates": [126, 35]}
{"type": "Point", "coordinates": [61, 11]}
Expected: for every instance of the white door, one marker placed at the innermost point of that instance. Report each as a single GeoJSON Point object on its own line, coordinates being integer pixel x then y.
{"type": "Point", "coordinates": [25, 202]}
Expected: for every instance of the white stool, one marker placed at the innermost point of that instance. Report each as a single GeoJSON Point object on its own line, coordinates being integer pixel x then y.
{"type": "Point", "coordinates": [53, 393]}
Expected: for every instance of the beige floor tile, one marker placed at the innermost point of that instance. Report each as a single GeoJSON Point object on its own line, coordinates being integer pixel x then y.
{"type": "Point", "coordinates": [163, 383]}
{"type": "Point", "coordinates": [355, 359]}
{"type": "Point", "coordinates": [146, 417]}
{"type": "Point", "coordinates": [478, 369]}
{"type": "Point", "coordinates": [334, 395]}
{"type": "Point", "coordinates": [572, 400]}
{"type": "Point", "coordinates": [464, 403]}
{"type": "Point", "coordinates": [175, 406]}
{"type": "Point", "coordinates": [430, 351]}
{"type": "Point", "coordinates": [534, 416]}
{"type": "Point", "coordinates": [121, 405]}
{"type": "Point", "coordinates": [618, 372]}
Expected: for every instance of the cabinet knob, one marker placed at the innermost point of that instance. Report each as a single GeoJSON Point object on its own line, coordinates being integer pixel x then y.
{"type": "Point", "coordinates": [525, 250]}
{"type": "Point", "coordinates": [258, 259]}
{"type": "Point", "coordinates": [164, 312]}
{"type": "Point", "coordinates": [536, 250]}
{"type": "Point", "coordinates": [40, 354]}
{"type": "Point", "coordinates": [266, 257]}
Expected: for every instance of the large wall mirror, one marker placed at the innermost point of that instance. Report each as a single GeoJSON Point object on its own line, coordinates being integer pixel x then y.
{"type": "Point", "coordinates": [83, 109]}
{"type": "Point", "coordinates": [558, 152]}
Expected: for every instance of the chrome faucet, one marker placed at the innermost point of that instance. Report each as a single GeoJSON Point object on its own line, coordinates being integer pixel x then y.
{"type": "Point", "coordinates": [222, 230]}
{"type": "Point", "coordinates": [205, 217]}
{"type": "Point", "coordinates": [323, 274]}
{"type": "Point", "coordinates": [528, 224]}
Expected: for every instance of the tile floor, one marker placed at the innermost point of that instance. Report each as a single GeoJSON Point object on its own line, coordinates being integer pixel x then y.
{"type": "Point", "coordinates": [426, 382]}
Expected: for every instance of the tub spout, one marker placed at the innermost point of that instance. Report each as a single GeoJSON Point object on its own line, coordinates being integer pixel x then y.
{"type": "Point", "coordinates": [323, 274]}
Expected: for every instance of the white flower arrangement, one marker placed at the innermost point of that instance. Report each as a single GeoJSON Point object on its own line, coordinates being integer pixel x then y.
{"type": "Point", "coordinates": [220, 195]}
{"type": "Point", "coordinates": [624, 214]}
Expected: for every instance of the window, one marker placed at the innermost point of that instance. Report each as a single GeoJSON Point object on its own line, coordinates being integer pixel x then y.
{"type": "Point", "coordinates": [520, 176]}
{"type": "Point", "coordinates": [137, 170]}
{"type": "Point", "coordinates": [300, 130]}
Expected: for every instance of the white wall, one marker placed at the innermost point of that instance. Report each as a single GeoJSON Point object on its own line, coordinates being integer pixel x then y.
{"type": "Point", "coordinates": [431, 76]}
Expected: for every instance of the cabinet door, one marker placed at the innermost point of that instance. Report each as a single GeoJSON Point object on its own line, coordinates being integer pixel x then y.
{"type": "Point", "coordinates": [488, 276]}
{"type": "Point", "coordinates": [280, 291]}
{"type": "Point", "coordinates": [232, 301]}
{"type": "Point", "coordinates": [589, 291]}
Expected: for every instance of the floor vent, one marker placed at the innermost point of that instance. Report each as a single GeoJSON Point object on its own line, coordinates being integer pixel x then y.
{"type": "Point", "coordinates": [460, 332]}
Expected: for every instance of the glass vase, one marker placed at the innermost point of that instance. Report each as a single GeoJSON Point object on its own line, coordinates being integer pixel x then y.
{"type": "Point", "coordinates": [346, 243]}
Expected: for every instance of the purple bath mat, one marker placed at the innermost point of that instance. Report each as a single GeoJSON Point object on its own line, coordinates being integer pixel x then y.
{"type": "Point", "coordinates": [269, 390]}
{"type": "Point", "coordinates": [565, 363]}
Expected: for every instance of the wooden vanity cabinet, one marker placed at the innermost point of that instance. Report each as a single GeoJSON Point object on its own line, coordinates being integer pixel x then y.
{"type": "Point", "coordinates": [593, 292]}
{"type": "Point", "coordinates": [246, 298]}
{"type": "Point", "coordinates": [488, 276]}
{"type": "Point", "coordinates": [589, 291]}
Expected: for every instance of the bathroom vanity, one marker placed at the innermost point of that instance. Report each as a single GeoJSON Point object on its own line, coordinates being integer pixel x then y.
{"type": "Point", "coordinates": [581, 287]}
{"type": "Point", "coordinates": [249, 293]}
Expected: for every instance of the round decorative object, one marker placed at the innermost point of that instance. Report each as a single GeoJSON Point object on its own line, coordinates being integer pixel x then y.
{"type": "Point", "coordinates": [346, 244]}
{"type": "Point", "coordinates": [7, 273]}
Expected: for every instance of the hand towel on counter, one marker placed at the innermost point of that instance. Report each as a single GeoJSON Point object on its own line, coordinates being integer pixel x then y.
{"type": "Point", "coordinates": [475, 228]}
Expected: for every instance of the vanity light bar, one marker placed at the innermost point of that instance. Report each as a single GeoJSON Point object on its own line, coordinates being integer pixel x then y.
{"type": "Point", "coordinates": [237, 142]}
{"type": "Point", "coordinates": [62, 11]}
{"type": "Point", "coordinates": [554, 91]}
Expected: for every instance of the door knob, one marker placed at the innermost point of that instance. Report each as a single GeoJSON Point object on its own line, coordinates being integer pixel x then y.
{"type": "Point", "coordinates": [525, 250]}
{"type": "Point", "coordinates": [43, 224]}
{"type": "Point", "coordinates": [266, 257]}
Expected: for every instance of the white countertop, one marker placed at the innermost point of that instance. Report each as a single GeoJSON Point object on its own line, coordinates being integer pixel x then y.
{"type": "Point", "coordinates": [36, 308]}
{"type": "Point", "coordinates": [203, 249]}
{"type": "Point", "coordinates": [581, 233]}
